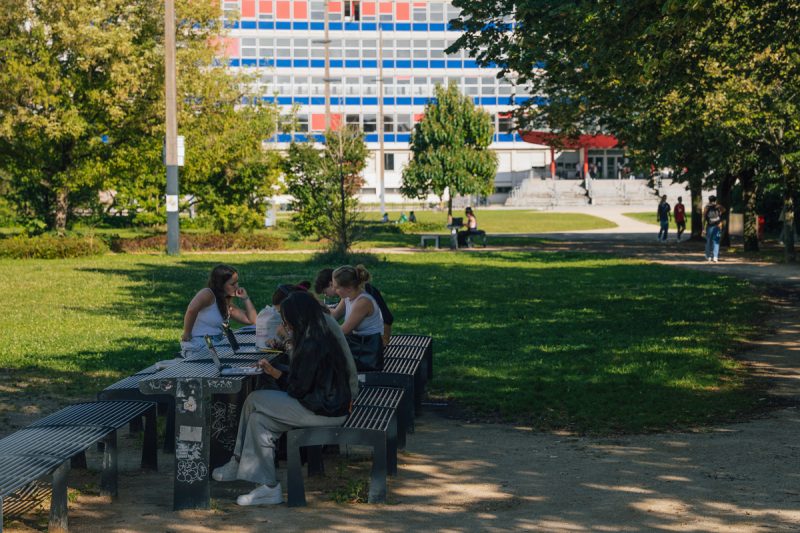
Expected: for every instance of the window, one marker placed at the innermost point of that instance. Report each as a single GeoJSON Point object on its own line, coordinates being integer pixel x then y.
{"type": "Point", "coordinates": [266, 48]}
{"type": "Point", "coordinates": [505, 123]}
{"type": "Point", "coordinates": [317, 10]}
{"type": "Point", "coordinates": [353, 120]}
{"type": "Point", "coordinates": [388, 161]}
{"type": "Point", "coordinates": [351, 48]}
{"type": "Point", "coordinates": [403, 123]}
{"type": "Point", "coordinates": [437, 49]}
{"type": "Point", "coordinates": [284, 48]}
{"type": "Point", "coordinates": [420, 49]}
{"type": "Point", "coordinates": [317, 85]}
{"type": "Point", "coordinates": [352, 10]}
{"type": "Point", "coordinates": [301, 48]}
{"type": "Point", "coordinates": [420, 86]}
{"type": "Point", "coordinates": [302, 123]}
{"type": "Point", "coordinates": [403, 87]}
{"type": "Point", "coordinates": [370, 123]}
{"type": "Point", "coordinates": [249, 47]}
{"type": "Point", "coordinates": [370, 49]}
{"type": "Point", "coordinates": [352, 86]}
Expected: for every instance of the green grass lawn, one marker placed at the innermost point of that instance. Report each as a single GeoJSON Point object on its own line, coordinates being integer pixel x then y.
{"type": "Point", "coordinates": [551, 340]}
{"type": "Point", "coordinates": [650, 218]}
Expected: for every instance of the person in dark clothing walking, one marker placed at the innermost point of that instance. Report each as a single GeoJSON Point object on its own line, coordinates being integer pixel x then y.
{"type": "Point", "coordinates": [663, 215]}
{"type": "Point", "coordinates": [680, 217]}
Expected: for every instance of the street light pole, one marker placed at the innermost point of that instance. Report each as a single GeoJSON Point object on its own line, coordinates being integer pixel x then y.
{"type": "Point", "coordinates": [381, 156]}
{"type": "Point", "coordinates": [171, 142]}
{"type": "Point", "coordinates": [327, 79]}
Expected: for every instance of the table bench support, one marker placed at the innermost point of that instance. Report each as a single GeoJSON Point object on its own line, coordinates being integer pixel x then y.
{"type": "Point", "coordinates": [59, 522]}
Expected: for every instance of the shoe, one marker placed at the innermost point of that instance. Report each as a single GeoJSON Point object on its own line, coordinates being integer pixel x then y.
{"type": "Point", "coordinates": [262, 495]}
{"type": "Point", "coordinates": [226, 472]}
{"type": "Point", "coordinates": [708, 259]}
{"type": "Point", "coordinates": [715, 260]}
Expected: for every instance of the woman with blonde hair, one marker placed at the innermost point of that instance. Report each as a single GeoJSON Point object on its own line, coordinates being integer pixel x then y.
{"type": "Point", "coordinates": [363, 322]}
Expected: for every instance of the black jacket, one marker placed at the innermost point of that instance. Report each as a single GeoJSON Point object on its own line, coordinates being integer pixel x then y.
{"type": "Point", "coordinates": [318, 379]}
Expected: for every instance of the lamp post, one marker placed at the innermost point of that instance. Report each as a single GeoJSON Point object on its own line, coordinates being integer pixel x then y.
{"type": "Point", "coordinates": [171, 142]}
{"type": "Point", "coordinates": [381, 156]}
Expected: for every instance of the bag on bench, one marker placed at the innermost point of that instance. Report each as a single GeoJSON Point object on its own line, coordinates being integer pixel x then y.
{"type": "Point", "coordinates": [367, 351]}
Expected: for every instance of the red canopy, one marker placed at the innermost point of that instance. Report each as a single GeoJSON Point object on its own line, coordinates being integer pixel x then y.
{"type": "Point", "coordinates": [582, 141]}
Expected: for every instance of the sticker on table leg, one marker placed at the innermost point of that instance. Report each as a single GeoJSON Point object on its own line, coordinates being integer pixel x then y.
{"type": "Point", "coordinates": [188, 450]}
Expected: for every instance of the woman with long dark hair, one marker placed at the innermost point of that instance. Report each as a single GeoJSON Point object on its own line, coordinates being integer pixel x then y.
{"type": "Point", "coordinates": [316, 393]}
{"type": "Point", "coordinates": [212, 308]}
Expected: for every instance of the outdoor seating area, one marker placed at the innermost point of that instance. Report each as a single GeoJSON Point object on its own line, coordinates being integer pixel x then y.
{"type": "Point", "coordinates": [201, 408]}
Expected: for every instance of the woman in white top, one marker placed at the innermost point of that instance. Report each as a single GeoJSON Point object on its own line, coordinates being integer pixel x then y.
{"type": "Point", "coordinates": [363, 322]}
{"type": "Point", "coordinates": [212, 307]}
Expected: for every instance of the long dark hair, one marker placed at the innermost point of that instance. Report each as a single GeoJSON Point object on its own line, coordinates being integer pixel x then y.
{"type": "Point", "coordinates": [306, 317]}
{"type": "Point", "coordinates": [216, 282]}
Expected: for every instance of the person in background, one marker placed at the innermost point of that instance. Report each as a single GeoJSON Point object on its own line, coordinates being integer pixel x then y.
{"type": "Point", "coordinates": [403, 218]}
{"type": "Point", "coordinates": [412, 217]}
{"type": "Point", "coordinates": [385, 218]}
{"type": "Point", "coordinates": [315, 392]}
{"type": "Point", "coordinates": [663, 214]}
{"type": "Point", "coordinates": [212, 308]}
{"type": "Point", "coordinates": [712, 217]}
{"type": "Point", "coordinates": [679, 212]}
{"type": "Point", "coordinates": [323, 284]}
{"type": "Point", "coordinates": [472, 226]}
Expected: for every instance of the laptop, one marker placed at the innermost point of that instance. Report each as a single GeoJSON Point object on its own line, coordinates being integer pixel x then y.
{"type": "Point", "coordinates": [457, 222]}
{"type": "Point", "coordinates": [227, 370]}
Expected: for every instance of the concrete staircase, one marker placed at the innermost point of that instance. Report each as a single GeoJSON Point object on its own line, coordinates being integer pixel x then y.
{"type": "Point", "coordinates": [547, 194]}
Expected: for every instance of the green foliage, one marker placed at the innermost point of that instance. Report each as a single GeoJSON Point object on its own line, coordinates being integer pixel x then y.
{"type": "Point", "coordinates": [52, 246]}
{"type": "Point", "coordinates": [450, 148]}
{"type": "Point", "coordinates": [194, 242]}
{"type": "Point", "coordinates": [324, 185]}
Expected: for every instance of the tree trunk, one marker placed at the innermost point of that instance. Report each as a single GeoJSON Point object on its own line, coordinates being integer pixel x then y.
{"type": "Point", "coordinates": [747, 178]}
{"type": "Point", "coordinates": [696, 190]}
{"type": "Point", "coordinates": [788, 225]}
{"type": "Point", "coordinates": [725, 198]}
{"type": "Point", "coordinates": [61, 210]}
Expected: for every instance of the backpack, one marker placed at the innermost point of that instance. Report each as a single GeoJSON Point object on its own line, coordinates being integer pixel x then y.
{"type": "Point", "coordinates": [712, 215]}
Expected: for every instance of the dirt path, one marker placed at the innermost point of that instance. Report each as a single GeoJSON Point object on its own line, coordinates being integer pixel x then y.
{"type": "Point", "coordinates": [456, 476]}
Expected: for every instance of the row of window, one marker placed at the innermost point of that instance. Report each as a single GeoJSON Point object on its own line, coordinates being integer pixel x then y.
{"type": "Point", "coordinates": [368, 122]}
{"type": "Point", "coordinates": [350, 10]}
{"type": "Point", "coordinates": [304, 48]}
{"type": "Point", "coordinates": [369, 85]}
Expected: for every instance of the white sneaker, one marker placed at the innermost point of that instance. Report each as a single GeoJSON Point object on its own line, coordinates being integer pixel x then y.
{"type": "Point", "coordinates": [715, 260]}
{"type": "Point", "coordinates": [226, 472]}
{"type": "Point", "coordinates": [708, 259]}
{"type": "Point", "coordinates": [262, 495]}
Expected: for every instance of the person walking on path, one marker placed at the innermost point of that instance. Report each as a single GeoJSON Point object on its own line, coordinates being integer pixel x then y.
{"type": "Point", "coordinates": [712, 216]}
{"type": "Point", "coordinates": [680, 217]}
{"type": "Point", "coordinates": [663, 214]}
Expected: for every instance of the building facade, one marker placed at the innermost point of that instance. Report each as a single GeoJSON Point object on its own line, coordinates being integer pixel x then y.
{"type": "Point", "coordinates": [392, 47]}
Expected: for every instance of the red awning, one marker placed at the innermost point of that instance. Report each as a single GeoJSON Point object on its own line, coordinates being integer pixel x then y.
{"type": "Point", "coordinates": [582, 141]}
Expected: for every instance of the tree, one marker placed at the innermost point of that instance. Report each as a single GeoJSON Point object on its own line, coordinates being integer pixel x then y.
{"type": "Point", "coordinates": [324, 184]}
{"type": "Point", "coordinates": [449, 149]}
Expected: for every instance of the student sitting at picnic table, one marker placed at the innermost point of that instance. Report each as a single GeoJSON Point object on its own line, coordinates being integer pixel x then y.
{"type": "Point", "coordinates": [323, 285]}
{"type": "Point", "coordinates": [212, 308]}
{"type": "Point", "coordinates": [269, 330]}
{"type": "Point", "coordinates": [316, 393]}
{"type": "Point", "coordinates": [363, 322]}
{"type": "Point", "coordinates": [472, 227]}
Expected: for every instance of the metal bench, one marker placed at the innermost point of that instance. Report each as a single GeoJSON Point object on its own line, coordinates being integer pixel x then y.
{"type": "Point", "coordinates": [435, 239]}
{"type": "Point", "coordinates": [393, 398]}
{"type": "Point", "coordinates": [420, 341]}
{"type": "Point", "coordinates": [371, 426]}
{"type": "Point", "coordinates": [46, 447]}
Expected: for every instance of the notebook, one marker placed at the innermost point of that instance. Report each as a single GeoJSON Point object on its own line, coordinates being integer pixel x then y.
{"type": "Point", "coordinates": [227, 370]}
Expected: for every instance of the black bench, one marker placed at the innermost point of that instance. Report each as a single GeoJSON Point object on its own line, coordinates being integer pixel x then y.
{"type": "Point", "coordinates": [45, 447]}
{"type": "Point", "coordinates": [420, 341]}
{"type": "Point", "coordinates": [366, 425]}
{"type": "Point", "coordinates": [476, 237]}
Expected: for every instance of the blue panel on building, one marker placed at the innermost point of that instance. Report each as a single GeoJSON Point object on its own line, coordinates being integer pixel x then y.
{"type": "Point", "coordinates": [248, 62]}
{"type": "Point", "coordinates": [337, 63]}
{"type": "Point", "coordinates": [369, 63]}
{"type": "Point", "coordinates": [283, 25]}
{"type": "Point", "coordinates": [403, 100]}
{"type": "Point", "coordinates": [285, 100]}
{"type": "Point", "coordinates": [488, 100]}
{"type": "Point", "coordinates": [337, 100]}
{"type": "Point", "coordinates": [470, 63]}
{"type": "Point", "coordinates": [351, 26]}
{"type": "Point", "coordinates": [402, 64]}
{"type": "Point", "coordinates": [402, 27]}
{"type": "Point", "coordinates": [453, 63]}
{"type": "Point", "coordinates": [284, 138]}
{"type": "Point", "coordinates": [284, 62]}
{"type": "Point", "coordinates": [419, 63]}
{"type": "Point", "coordinates": [504, 137]}
{"type": "Point", "coordinates": [369, 26]}
{"type": "Point", "coordinates": [234, 62]}
{"type": "Point", "coordinates": [387, 26]}
{"type": "Point", "coordinates": [371, 138]}
{"type": "Point", "coordinates": [388, 63]}
{"type": "Point", "coordinates": [370, 101]}
{"type": "Point", "coordinates": [352, 100]}
{"type": "Point", "coordinates": [437, 27]}
{"type": "Point", "coordinates": [520, 99]}
{"type": "Point", "coordinates": [389, 137]}
{"type": "Point", "coordinates": [301, 100]}
{"type": "Point", "coordinates": [420, 100]}
{"type": "Point", "coordinates": [267, 99]}
{"type": "Point", "coordinates": [266, 63]}
{"type": "Point", "coordinates": [352, 63]}
{"type": "Point", "coordinates": [419, 27]}
{"type": "Point", "coordinates": [262, 25]}
{"type": "Point", "coordinates": [437, 64]}
{"type": "Point", "coordinates": [317, 100]}
{"type": "Point", "coordinates": [317, 63]}
{"type": "Point", "coordinates": [317, 25]}
{"type": "Point", "coordinates": [388, 101]}
{"type": "Point", "coordinates": [335, 26]}
{"type": "Point", "coordinates": [249, 25]}
{"type": "Point", "coordinates": [403, 137]}
{"type": "Point", "coordinates": [301, 63]}
{"type": "Point", "coordinates": [300, 25]}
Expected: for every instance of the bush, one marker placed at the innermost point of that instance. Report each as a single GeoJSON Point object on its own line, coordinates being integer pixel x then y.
{"type": "Point", "coordinates": [51, 246]}
{"type": "Point", "coordinates": [201, 242]}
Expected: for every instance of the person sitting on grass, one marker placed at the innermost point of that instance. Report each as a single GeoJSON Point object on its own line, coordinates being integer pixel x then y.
{"type": "Point", "coordinates": [316, 393]}
{"type": "Point", "coordinates": [412, 217]}
{"type": "Point", "coordinates": [403, 218]}
{"type": "Point", "coordinates": [212, 308]}
{"type": "Point", "coordinates": [323, 284]}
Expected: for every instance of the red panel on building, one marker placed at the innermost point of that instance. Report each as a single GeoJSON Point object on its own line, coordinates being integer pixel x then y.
{"type": "Point", "coordinates": [318, 121]}
{"type": "Point", "coordinates": [231, 47]}
{"type": "Point", "coordinates": [301, 10]}
{"type": "Point", "coordinates": [386, 8]}
{"type": "Point", "coordinates": [419, 5]}
{"type": "Point", "coordinates": [265, 6]}
{"type": "Point", "coordinates": [368, 8]}
{"type": "Point", "coordinates": [248, 8]}
{"type": "Point", "coordinates": [403, 11]}
{"type": "Point", "coordinates": [284, 11]}
{"type": "Point", "coordinates": [334, 7]}
{"type": "Point", "coordinates": [418, 116]}
{"type": "Point", "coordinates": [336, 121]}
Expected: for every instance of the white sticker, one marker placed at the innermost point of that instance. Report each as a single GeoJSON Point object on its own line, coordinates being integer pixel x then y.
{"type": "Point", "coordinates": [362, 378]}
{"type": "Point", "coordinates": [191, 433]}
{"type": "Point", "coordinates": [172, 203]}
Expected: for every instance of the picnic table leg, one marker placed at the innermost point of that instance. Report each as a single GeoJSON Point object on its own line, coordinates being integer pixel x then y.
{"type": "Point", "coordinates": [192, 445]}
{"type": "Point", "coordinates": [58, 502]}
{"type": "Point", "coordinates": [150, 444]}
{"type": "Point", "coordinates": [108, 477]}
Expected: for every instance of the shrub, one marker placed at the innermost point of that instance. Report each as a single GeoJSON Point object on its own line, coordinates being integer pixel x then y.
{"type": "Point", "coordinates": [50, 246]}
{"type": "Point", "coordinates": [191, 242]}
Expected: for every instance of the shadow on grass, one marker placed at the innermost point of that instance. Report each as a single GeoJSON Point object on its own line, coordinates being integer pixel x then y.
{"type": "Point", "coordinates": [556, 340]}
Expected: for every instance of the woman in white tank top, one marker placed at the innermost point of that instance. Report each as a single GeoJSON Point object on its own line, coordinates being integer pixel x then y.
{"type": "Point", "coordinates": [213, 306]}
{"type": "Point", "coordinates": [363, 322]}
